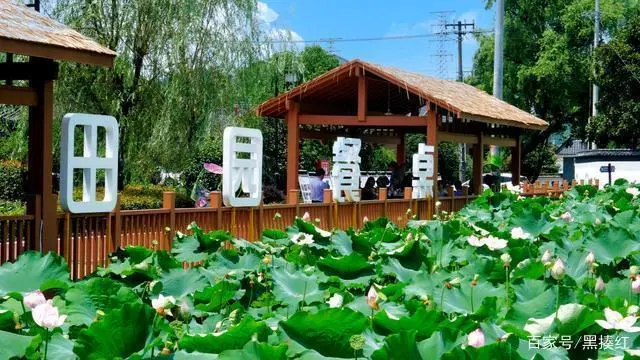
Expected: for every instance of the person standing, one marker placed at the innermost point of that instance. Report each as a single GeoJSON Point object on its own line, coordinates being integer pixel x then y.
{"type": "Point", "coordinates": [318, 186]}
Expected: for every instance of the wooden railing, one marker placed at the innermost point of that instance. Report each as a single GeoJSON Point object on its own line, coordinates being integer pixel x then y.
{"type": "Point", "coordinates": [86, 240]}
{"type": "Point", "coordinates": [554, 188]}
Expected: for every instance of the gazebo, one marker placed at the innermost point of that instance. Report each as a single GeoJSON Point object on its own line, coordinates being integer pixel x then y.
{"type": "Point", "coordinates": [26, 32]}
{"type": "Point", "coordinates": [374, 101]}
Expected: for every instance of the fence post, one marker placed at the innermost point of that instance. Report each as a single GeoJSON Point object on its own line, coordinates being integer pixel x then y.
{"type": "Point", "coordinates": [169, 203]}
{"type": "Point", "coordinates": [34, 207]}
{"type": "Point", "coordinates": [66, 237]}
{"type": "Point", "coordinates": [116, 226]}
{"type": "Point", "coordinates": [382, 196]}
{"type": "Point", "coordinates": [215, 201]}
{"type": "Point", "coordinates": [327, 199]}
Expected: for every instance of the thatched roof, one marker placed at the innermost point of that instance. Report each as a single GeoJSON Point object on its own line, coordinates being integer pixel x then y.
{"type": "Point", "coordinates": [465, 101]}
{"type": "Point", "coordinates": [26, 32]}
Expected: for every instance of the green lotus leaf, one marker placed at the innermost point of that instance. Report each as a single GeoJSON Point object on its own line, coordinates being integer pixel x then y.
{"type": "Point", "coordinates": [85, 298]}
{"type": "Point", "coordinates": [234, 337]}
{"type": "Point", "coordinates": [31, 270]}
{"type": "Point", "coordinates": [292, 288]}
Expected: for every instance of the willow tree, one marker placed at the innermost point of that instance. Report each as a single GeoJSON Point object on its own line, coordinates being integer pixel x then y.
{"type": "Point", "coordinates": [174, 82]}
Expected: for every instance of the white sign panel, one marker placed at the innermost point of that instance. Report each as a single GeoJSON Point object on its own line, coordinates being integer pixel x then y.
{"type": "Point", "coordinates": [89, 162]}
{"type": "Point", "coordinates": [422, 172]}
{"type": "Point", "coordinates": [242, 166]}
{"type": "Point", "coordinates": [345, 172]}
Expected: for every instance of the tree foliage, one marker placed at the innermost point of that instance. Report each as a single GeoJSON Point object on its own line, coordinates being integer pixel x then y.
{"type": "Point", "coordinates": [618, 75]}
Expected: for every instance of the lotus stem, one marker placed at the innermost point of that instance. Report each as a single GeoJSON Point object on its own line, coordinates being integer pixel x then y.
{"type": "Point", "coordinates": [557, 298]}
{"type": "Point", "coordinates": [46, 343]}
{"type": "Point", "coordinates": [506, 285]}
{"type": "Point", "coordinates": [442, 298]}
{"type": "Point", "coordinates": [472, 310]}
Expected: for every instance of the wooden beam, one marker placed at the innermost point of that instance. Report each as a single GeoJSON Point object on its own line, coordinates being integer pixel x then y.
{"type": "Point", "coordinates": [293, 150]}
{"type": "Point", "coordinates": [362, 98]}
{"type": "Point", "coordinates": [14, 95]}
{"type": "Point", "coordinates": [478, 159]}
{"type": "Point", "coordinates": [28, 71]}
{"type": "Point", "coordinates": [373, 121]}
{"type": "Point", "coordinates": [516, 165]}
{"type": "Point", "coordinates": [331, 136]}
{"type": "Point", "coordinates": [473, 139]}
{"type": "Point", "coordinates": [55, 52]}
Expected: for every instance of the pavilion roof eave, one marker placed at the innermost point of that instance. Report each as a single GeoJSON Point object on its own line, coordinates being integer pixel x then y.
{"type": "Point", "coordinates": [277, 106]}
{"type": "Point", "coordinates": [53, 52]}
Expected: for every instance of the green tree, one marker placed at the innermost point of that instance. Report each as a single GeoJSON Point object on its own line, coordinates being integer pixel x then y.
{"type": "Point", "coordinates": [547, 66]}
{"type": "Point", "coordinates": [618, 74]}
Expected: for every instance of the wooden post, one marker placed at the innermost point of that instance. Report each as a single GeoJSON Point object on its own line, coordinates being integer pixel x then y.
{"type": "Point", "coordinates": [432, 139]}
{"type": "Point", "coordinates": [478, 155]}
{"type": "Point", "coordinates": [40, 161]}
{"type": "Point", "coordinates": [169, 203]}
{"type": "Point", "coordinates": [116, 226]}
{"type": "Point", "coordinates": [293, 138]}
{"type": "Point", "coordinates": [215, 201]}
{"type": "Point", "coordinates": [516, 154]}
{"type": "Point", "coordinates": [362, 95]}
{"type": "Point", "coordinates": [382, 195]}
{"type": "Point", "coordinates": [327, 198]}
{"type": "Point", "coordinates": [292, 197]}
{"type": "Point", "coordinates": [400, 148]}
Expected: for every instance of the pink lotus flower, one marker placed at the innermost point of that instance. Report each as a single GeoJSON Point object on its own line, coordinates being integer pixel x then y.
{"type": "Point", "coordinates": [213, 168]}
{"type": "Point", "coordinates": [599, 284]}
{"type": "Point", "coordinates": [590, 259]}
{"type": "Point", "coordinates": [33, 299]}
{"type": "Point", "coordinates": [306, 216]}
{"type": "Point", "coordinates": [546, 257]}
{"type": "Point", "coordinates": [409, 236]}
{"type": "Point", "coordinates": [566, 217]}
{"type": "Point", "coordinates": [635, 285]}
{"type": "Point", "coordinates": [476, 338]}
{"type": "Point", "coordinates": [47, 316]}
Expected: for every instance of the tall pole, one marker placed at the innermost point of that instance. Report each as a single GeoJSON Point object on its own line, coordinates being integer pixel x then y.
{"type": "Point", "coordinates": [596, 41]}
{"type": "Point", "coordinates": [460, 29]}
{"type": "Point", "coordinates": [498, 50]}
{"type": "Point", "coordinates": [498, 57]}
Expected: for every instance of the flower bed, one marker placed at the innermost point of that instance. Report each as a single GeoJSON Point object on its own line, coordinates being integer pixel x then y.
{"type": "Point", "coordinates": [505, 278]}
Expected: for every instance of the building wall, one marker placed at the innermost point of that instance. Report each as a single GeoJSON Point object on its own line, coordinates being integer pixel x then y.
{"type": "Point", "coordinates": [629, 170]}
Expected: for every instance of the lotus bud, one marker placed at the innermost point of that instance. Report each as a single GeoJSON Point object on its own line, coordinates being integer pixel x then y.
{"type": "Point", "coordinates": [438, 204]}
{"type": "Point", "coordinates": [546, 257]}
{"type": "Point", "coordinates": [409, 237]}
{"type": "Point", "coordinates": [476, 338]}
{"type": "Point", "coordinates": [306, 216]}
{"type": "Point", "coordinates": [474, 282]}
{"type": "Point", "coordinates": [277, 216]}
{"type": "Point", "coordinates": [598, 221]}
{"type": "Point", "coordinates": [566, 217]}
{"type": "Point", "coordinates": [590, 259]}
{"type": "Point", "coordinates": [317, 220]}
{"type": "Point", "coordinates": [506, 259]}
{"type": "Point", "coordinates": [635, 286]}
{"type": "Point", "coordinates": [599, 284]}
{"type": "Point", "coordinates": [365, 219]}
{"type": "Point", "coordinates": [633, 270]}
{"type": "Point", "coordinates": [266, 260]}
{"type": "Point", "coordinates": [372, 298]}
{"type": "Point", "coordinates": [558, 270]}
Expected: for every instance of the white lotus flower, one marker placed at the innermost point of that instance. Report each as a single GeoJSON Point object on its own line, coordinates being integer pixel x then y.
{"type": "Point", "coordinates": [365, 219]}
{"type": "Point", "coordinates": [633, 309]}
{"type": "Point", "coordinates": [558, 270]}
{"type": "Point", "coordinates": [474, 241]}
{"type": "Point", "coordinates": [306, 216]}
{"type": "Point", "coordinates": [614, 320]}
{"type": "Point", "coordinates": [302, 239]}
{"type": "Point", "coordinates": [494, 243]}
{"type": "Point", "coordinates": [633, 191]}
{"type": "Point", "coordinates": [33, 299]}
{"type": "Point", "coordinates": [163, 304]}
{"type": "Point", "coordinates": [519, 233]}
{"type": "Point", "coordinates": [506, 259]}
{"type": "Point", "coordinates": [372, 298]}
{"type": "Point", "coordinates": [590, 259]}
{"type": "Point", "coordinates": [335, 301]}
{"type": "Point", "coordinates": [566, 217]}
{"type": "Point", "coordinates": [476, 338]}
{"type": "Point", "coordinates": [47, 315]}
{"type": "Point", "coordinates": [546, 257]}
{"type": "Point", "coordinates": [599, 284]}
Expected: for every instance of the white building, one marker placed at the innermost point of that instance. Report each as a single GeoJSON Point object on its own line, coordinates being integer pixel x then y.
{"type": "Point", "coordinates": [594, 164]}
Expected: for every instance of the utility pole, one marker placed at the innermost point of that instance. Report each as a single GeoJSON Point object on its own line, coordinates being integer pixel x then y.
{"type": "Point", "coordinates": [498, 57]}
{"type": "Point", "coordinates": [460, 29]}
{"type": "Point", "coordinates": [596, 41]}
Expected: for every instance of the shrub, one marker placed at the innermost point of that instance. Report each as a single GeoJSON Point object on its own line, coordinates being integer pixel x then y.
{"type": "Point", "coordinates": [271, 194]}
{"type": "Point", "coordinates": [12, 176]}
{"type": "Point", "coordinates": [139, 197]}
{"type": "Point", "coordinates": [10, 208]}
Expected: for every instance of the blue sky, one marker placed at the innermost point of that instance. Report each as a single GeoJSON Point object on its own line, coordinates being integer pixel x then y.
{"type": "Point", "coordinates": [321, 19]}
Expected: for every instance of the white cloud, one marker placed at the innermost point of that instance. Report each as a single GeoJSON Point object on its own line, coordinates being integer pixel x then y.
{"type": "Point", "coordinates": [266, 14]}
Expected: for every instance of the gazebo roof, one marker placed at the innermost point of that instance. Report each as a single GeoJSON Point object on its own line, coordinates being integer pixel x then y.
{"type": "Point", "coordinates": [26, 32]}
{"type": "Point", "coordinates": [465, 101]}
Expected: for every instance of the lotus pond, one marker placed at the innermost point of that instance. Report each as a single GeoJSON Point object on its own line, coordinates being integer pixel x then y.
{"type": "Point", "coordinates": [505, 278]}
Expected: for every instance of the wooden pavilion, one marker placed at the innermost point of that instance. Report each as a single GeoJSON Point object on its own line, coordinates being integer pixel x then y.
{"type": "Point", "coordinates": [370, 101]}
{"type": "Point", "coordinates": [27, 33]}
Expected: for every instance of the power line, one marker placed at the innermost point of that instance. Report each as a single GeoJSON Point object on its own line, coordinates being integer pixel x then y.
{"type": "Point", "coordinates": [365, 39]}
{"type": "Point", "coordinates": [441, 53]}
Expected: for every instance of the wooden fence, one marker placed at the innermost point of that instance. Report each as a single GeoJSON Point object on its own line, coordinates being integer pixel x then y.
{"type": "Point", "coordinates": [85, 240]}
